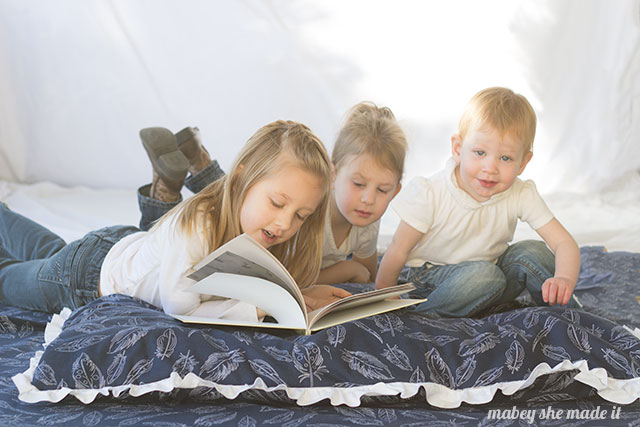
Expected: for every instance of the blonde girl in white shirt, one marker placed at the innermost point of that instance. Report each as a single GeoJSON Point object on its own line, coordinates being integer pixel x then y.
{"type": "Point", "coordinates": [276, 192]}
{"type": "Point", "coordinates": [368, 159]}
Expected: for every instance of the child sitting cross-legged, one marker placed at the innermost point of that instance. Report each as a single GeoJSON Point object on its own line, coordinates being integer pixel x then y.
{"type": "Point", "coordinates": [456, 226]}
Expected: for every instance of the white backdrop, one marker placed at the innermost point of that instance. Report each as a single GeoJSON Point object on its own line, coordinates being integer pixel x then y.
{"type": "Point", "coordinates": [79, 78]}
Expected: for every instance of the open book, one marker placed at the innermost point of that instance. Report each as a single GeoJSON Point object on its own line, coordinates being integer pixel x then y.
{"type": "Point", "coordinates": [244, 270]}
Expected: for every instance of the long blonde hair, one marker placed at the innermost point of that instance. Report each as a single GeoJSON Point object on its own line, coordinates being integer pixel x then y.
{"type": "Point", "coordinates": [219, 203]}
{"type": "Point", "coordinates": [372, 130]}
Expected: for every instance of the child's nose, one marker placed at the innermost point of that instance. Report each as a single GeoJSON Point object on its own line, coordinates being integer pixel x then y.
{"type": "Point", "coordinates": [368, 196]}
{"type": "Point", "coordinates": [283, 221]}
{"type": "Point", "coordinates": [490, 165]}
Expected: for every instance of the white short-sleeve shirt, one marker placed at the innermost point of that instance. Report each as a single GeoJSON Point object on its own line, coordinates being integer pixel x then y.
{"type": "Point", "coordinates": [458, 228]}
{"type": "Point", "coordinates": [362, 242]}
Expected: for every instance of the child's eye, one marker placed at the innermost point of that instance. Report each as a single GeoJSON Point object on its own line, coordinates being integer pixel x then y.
{"type": "Point", "coordinates": [383, 191]}
{"type": "Point", "coordinates": [505, 158]}
{"type": "Point", "coordinates": [301, 217]}
{"type": "Point", "coordinates": [479, 152]}
{"type": "Point", "coordinates": [276, 204]}
{"type": "Point", "coordinates": [358, 184]}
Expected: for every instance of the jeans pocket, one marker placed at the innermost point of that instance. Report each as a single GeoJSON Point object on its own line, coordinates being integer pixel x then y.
{"type": "Point", "coordinates": [114, 233]}
{"type": "Point", "coordinates": [57, 268]}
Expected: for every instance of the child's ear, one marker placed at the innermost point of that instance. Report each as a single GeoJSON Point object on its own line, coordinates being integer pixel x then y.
{"type": "Point", "coordinates": [525, 160]}
{"type": "Point", "coordinates": [456, 146]}
{"type": "Point", "coordinates": [398, 188]}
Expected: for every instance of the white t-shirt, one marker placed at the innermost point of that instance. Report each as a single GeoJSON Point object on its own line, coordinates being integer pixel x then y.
{"type": "Point", "coordinates": [152, 266]}
{"type": "Point", "coordinates": [362, 242]}
{"type": "Point", "coordinates": [458, 228]}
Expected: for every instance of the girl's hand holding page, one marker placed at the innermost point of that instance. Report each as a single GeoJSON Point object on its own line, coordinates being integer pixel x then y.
{"type": "Point", "coordinates": [317, 296]}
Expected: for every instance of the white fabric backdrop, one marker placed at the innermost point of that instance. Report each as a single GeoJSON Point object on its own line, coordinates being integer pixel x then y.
{"type": "Point", "coordinates": [79, 78]}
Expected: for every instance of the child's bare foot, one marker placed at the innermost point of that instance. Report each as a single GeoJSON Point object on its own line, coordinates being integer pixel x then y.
{"type": "Point", "coordinates": [170, 166]}
{"type": "Point", "coordinates": [190, 144]}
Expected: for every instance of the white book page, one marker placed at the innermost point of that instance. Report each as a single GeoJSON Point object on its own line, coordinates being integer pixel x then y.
{"type": "Point", "coordinates": [378, 307]}
{"type": "Point", "coordinates": [362, 298]}
{"type": "Point", "coordinates": [248, 248]}
{"type": "Point", "coordinates": [266, 295]}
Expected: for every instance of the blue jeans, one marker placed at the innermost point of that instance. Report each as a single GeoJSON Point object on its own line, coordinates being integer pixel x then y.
{"type": "Point", "coordinates": [39, 271]}
{"type": "Point", "coordinates": [152, 209]}
{"type": "Point", "coordinates": [465, 289]}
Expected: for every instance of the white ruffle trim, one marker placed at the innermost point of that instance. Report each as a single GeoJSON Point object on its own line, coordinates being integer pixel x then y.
{"type": "Point", "coordinates": [611, 389]}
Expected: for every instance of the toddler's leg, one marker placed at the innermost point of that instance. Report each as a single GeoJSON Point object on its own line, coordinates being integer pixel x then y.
{"type": "Point", "coordinates": [458, 290]}
{"type": "Point", "coordinates": [527, 265]}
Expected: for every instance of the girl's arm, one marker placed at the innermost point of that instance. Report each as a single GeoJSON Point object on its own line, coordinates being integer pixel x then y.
{"type": "Point", "coordinates": [317, 296]}
{"type": "Point", "coordinates": [558, 289]}
{"type": "Point", "coordinates": [404, 240]}
{"type": "Point", "coordinates": [370, 263]}
{"type": "Point", "coordinates": [228, 309]}
{"type": "Point", "coordinates": [179, 251]}
{"type": "Point", "coordinates": [345, 271]}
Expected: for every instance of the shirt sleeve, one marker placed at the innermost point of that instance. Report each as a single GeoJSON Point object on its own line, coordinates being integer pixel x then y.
{"type": "Point", "coordinates": [180, 252]}
{"type": "Point", "coordinates": [532, 208]}
{"type": "Point", "coordinates": [226, 309]}
{"type": "Point", "coordinates": [415, 204]}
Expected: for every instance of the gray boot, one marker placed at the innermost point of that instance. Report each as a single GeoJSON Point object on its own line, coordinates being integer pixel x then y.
{"type": "Point", "coordinates": [190, 144]}
{"type": "Point", "coordinates": [170, 166]}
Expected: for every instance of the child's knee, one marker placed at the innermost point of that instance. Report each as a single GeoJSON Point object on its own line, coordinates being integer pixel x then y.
{"type": "Point", "coordinates": [534, 252]}
{"type": "Point", "coordinates": [484, 278]}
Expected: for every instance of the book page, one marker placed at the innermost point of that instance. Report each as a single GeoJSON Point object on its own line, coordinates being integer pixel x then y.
{"type": "Point", "coordinates": [248, 248]}
{"type": "Point", "coordinates": [266, 295]}
{"type": "Point", "coordinates": [355, 313]}
{"type": "Point", "coordinates": [230, 322]}
{"type": "Point", "coordinates": [359, 299]}
{"type": "Point", "coordinates": [228, 262]}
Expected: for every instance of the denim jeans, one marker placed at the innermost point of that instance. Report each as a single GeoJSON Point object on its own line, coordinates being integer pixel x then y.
{"type": "Point", "coordinates": [152, 209]}
{"type": "Point", "coordinates": [465, 289]}
{"type": "Point", "coordinates": [39, 271]}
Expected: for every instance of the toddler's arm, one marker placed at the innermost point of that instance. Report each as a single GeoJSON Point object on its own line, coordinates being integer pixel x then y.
{"type": "Point", "coordinates": [558, 289]}
{"type": "Point", "coordinates": [404, 240]}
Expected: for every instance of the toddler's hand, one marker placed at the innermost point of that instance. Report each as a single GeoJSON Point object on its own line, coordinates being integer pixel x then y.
{"type": "Point", "coordinates": [317, 296]}
{"type": "Point", "coordinates": [557, 290]}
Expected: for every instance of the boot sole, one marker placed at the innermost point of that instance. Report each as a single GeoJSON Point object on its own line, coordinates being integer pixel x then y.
{"type": "Point", "coordinates": [185, 134]}
{"type": "Point", "coordinates": [167, 160]}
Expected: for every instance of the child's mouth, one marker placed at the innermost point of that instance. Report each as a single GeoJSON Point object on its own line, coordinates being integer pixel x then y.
{"type": "Point", "coordinates": [269, 237]}
{"type": "Point", "coordinates": [363, 214]}
{"type": "Point", "coordinates": [487, 184]}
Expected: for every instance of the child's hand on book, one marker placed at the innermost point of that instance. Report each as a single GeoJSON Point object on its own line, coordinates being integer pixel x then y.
{"type": "Point", "coordinates": [317, 296]}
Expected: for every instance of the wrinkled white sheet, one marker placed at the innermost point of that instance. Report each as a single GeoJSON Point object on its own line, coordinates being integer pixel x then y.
{"type": "Point", "coordinates": [609, 218]}
{"type": "Point", "coordinates": [80, 78]}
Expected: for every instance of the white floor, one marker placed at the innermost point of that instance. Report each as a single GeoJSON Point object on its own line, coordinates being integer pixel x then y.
{"type": "Point", "coordinates": [609, 218]}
